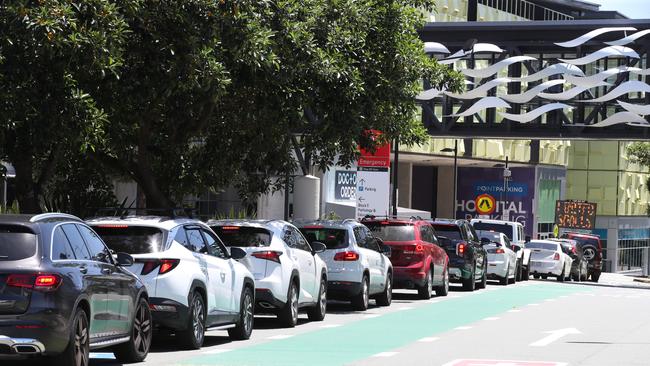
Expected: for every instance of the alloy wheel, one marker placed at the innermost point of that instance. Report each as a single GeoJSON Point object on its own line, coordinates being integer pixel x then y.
{"type": "Point", "coordinates": [198, 319]}
{"type": "Point", "coordinates": [294, 304]}
{"type": "Point", "coordinates": [446, 280]}
{"type": "Point", "coordinates": [365, 293]}
{"type": "Point", "coordinates": [323, 297]}
{"type": "Point", "coordinates": [389, 289]}
{"type": "Point", "coordinates": [248, 313]}
{"type": "Point", "coordinates": [142, 330]}
{"type": "Point", "coordinates": [81, 342]}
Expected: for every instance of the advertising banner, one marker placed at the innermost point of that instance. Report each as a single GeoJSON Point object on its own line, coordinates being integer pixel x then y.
{"type": "Point", "coordinates": [486, 186]}
{"type": "Point", "coordinates": [345, 185]}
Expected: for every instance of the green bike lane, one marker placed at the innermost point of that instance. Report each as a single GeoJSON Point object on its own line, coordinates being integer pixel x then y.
{"type": "Point", "coordinates": [364, 338]}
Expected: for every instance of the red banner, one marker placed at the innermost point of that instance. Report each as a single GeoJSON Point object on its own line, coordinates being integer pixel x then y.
{"type": "Point", "coordinates": [381, 157]}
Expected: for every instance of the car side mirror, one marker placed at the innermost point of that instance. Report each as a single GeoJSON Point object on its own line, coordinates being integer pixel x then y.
{"type": "Point", "coordinates": [237, 253]}
{"type": "Point", "coordinates": [515, 247]}
{"type": "Point", "coordinates": [124, 259]}
{"type": "Point", "coordinates": [385, 249]}
{"type": "Point", "coordinates": [318, 247]}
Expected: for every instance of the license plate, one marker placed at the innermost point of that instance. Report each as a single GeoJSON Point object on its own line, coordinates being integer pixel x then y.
{"type": "Point", "coordinates": [536, 264]}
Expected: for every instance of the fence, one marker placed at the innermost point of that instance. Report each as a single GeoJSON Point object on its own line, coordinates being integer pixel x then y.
{"type": "Point", "coordinates": [633, 260]}
{"type": "Point", "coordinates": [525, 9]}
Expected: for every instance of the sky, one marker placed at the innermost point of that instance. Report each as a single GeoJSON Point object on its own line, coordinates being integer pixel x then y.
{"type": "Point", "coordinates": [635, 9]}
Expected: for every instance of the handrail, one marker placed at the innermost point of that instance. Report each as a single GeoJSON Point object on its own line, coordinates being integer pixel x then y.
{"type": "Point", "coordinates": [525, 9]}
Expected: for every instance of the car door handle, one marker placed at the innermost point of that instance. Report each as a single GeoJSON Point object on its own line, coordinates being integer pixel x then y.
{"type": "Point", "coordinates": [106, 271]}
{"type": "Point", "coordinates": [83, 269]}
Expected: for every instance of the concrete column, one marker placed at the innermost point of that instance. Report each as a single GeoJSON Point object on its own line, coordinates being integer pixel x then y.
{"type": "Point", "coordinates": [271, 205]}
{"type": "Point", "coordinates": [445, 201]}
{"type": "Point", "coordinates": [405, 185]}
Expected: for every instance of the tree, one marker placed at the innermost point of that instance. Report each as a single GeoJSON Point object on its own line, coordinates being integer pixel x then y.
{"type": "Point", "coordinates": [52, 54]}
{"type": "Point", "coordinates": [639, 153]}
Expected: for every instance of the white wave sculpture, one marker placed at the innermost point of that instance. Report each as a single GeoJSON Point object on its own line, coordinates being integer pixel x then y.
{"type": "Point", "coordinates": [484, 103]}
{"type": "Point", "coordinates": [642, 110]}
{"type": "Point", "coordinates": [598, 79]}
{"type": "Point", "coordinates": [528, 95]}
{"type": "Point", "coordinates": [625, 88]}
{"type": "Point", "coordinates": [611, 51]}
{"type": "Point", "coordinates": [629, 39]}
{"type": "Point", "coordinates": [555, 69]}
{"type": "Point", "coordinates": [435, 47]}
{"type": "Point", "coordinates": [480, 91]}
{"type": "Point", "coordinates": [639, 124]}
{"type": "Point", "coordinates": [535, 113]}
{"type": "Point", "coordinates": [593, 34]}
{"type": "Point", "coordinates": [615, 119]}
{"type": "Point", "coordinates": [495, 68]}
{"type": "Point", "coordinates": [565, 95]}
{"type": "Point", "coordinates": [478, 48]}
{"type": "Point", "coordinates": [641, 72]}
{"type": "Point", "coordinates": [428, 94]}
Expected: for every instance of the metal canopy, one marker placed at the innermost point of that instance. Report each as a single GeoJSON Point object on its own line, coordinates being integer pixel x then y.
{"type": "Point", "coordinates": [538, 38]}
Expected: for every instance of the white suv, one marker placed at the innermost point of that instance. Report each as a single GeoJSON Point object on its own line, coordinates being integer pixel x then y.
{"type": "Point", "coordinates": [288, 273]}
{"type": "Point", "coordinates": [193, 281]}
{"type": "Point", "coordinates": [357, 262]}
{"type": "Point", "coordinates": [515, 232]}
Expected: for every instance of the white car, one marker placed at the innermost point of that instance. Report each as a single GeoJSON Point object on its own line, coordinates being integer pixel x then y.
{"type": "Point", "coordinates": [357, 264]}
{"type": "Point", "coordinates": [515, 232]}
{"type": "Point", "coordinates": [193, 281]}
{"type": "Point", "coordinates": [502, 260]}
{"type": "Point", "coordinates": [289, 275]}
{"type": "Point", "coordinates": [548, 259]}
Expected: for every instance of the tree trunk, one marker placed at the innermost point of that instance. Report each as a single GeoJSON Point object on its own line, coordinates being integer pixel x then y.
{"type": "Point", "coordinates": [27, 191]}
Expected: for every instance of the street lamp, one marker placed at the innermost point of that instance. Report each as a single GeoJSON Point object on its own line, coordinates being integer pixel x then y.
{"type": "Point", "coordinates": [455, 151]}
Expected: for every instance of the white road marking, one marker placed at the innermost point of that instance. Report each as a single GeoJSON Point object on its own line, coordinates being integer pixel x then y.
{"type": "Point", "coordinates": [281, 336]}
{"type": "Point", "coordinates": [385, 354]}
{"type": "Point", "coordinates": [491, 318]}
{"type": "Point", "coordinates": [217, 351]}
{"type": "Point", "coordinates": [462, 328]}
{"type": "Point", "coordinates": [405, 308]}
{"type": "Point", "coordinates": [533, 304]}
{"type": "Point", "coordinates": [553, 336]}
{"type": "Point", "coordinates": [102, 355]}
{"type": "Point", "coordinates": [369, 316]}
{"type": "Point", "coordinates": [549, 300]}
{"type": "Point", "coordinates": [428, 339]}
{"type": "Point", "coordinates": [514, 311]}
{"type": "Point", "coordinates": [330, 325]}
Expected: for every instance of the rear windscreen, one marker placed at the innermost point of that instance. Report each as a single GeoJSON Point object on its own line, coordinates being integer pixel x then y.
{"type": "Point", "coordinates": [449, 231]}
{"type": "Point", "coordinates": [538, 245]}
{"type": "Point", "coordinates": [586, 241]}
{"type": "Point", "coordinates": [501, 228]}
{"type": "Point", "coordinates": [131, 239]}
{"type": "Point", "coordinates": [392, 232]}
{"type": "Point", "coordinates": [332, 238]}
{"type": "Point", "coordinates": [16, 243]}
{"type": "Point", "coordinates": [490, 235]}
{"type": "Point", "coordinates": [243, 236]}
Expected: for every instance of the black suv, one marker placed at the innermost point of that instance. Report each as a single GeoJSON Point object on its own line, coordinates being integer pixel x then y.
{"type": "Point", "coordinates": [467, 257]}
{"type": "Point", "coordinates": [62, 293]}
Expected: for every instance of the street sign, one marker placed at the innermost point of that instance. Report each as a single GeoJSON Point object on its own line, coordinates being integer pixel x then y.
{"type": "Point", "coordinates": [373, 189]}
{"type": "Point", "coordinates": [381, 156]}
{"type": "Point", "coordinates": [485, 204]}
{"type": "Point", "coordinates": [345, 185]}
{"type": "Point", "coordinates": [575, 214]}
{"type": "Point", "coordinates": [467, 362]}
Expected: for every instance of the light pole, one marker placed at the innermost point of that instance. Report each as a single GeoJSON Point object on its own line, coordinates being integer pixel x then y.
{"type": "Point", "coordinates": [455, 150]}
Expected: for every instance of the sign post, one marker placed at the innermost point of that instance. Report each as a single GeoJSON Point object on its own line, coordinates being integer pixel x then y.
{"type": "Point", "coordinates": [373, 182]}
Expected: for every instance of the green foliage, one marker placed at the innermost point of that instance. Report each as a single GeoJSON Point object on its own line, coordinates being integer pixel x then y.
{"type": "Point", "coordinates": [639, 153]}
{"type": "Point", "coordinates": [330, 216]}
{"type": "Point", "coordinates": [236, 215]}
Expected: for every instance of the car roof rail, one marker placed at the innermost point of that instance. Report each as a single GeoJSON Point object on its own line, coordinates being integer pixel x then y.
{"type": "Point", "coordinates": [350, 220]}
{"type": "Point", "coordinates": [164, 213]}
{"type": "Point", "coordinates": [53, 215]}
{"type": "Point", "coordinates": [412, 217]}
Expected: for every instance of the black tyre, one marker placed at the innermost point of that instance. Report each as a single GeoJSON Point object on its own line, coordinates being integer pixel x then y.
{"type": "Point", "coordinates": [137, 348]}
{"type": "Point", "coordinates": [443, 290]}
{"type": "Point", "coordinates": [595, 276]}
{"type": "Point", "coordinates": [386, 297]}
{"type": "Point", "coordinates": [469, 284]}
{"type": "Point", "coordinates": [561, 277]}
{"type": "Point", "coordinates": [513, 280]}
{"type": "Point", "coordinates": [504, 281]}
{"type": "Point", "coordinates": [244, 327]}
{"type": "Point", "coordinates": [519, 272]}
{"type": "Point", "coordinates": [77, 353]}
{"type": "Point", "coordinates": [424, 291]}
{"type": "Point", "coordinates": [288, 315]}
{"type": "Point", "coordinates": [317, 312]}
{"type": "Point", "coordinates": [526, 273]}
{"type": "Point", "coordinates": [544, 277]}
{"type": "Point", "coordinates": [192, 337]}
{"type": "Point", "coordinates": [483, 283]}
{"type": "Point", "coordinates": [361, 300]}
{"type": "Point", "coordinates": [536, 276]}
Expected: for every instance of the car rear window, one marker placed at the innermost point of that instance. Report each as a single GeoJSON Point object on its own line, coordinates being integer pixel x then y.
{"type": "Point", "coordinates": [490, 235]}
{"type": "Point", "coordinates": [449, 231]}
{"type": "Point", "coordinates": [131, 239]}
{"type": "Point", "coordinates": [332, 238]}
{"type": "Point", "coordinates": [243, 236]}
{"type": "Point", "coordinates": [392, 231]}
{"type": "Point", "coordinates": [587, 241]}
{"type": "Point", "coordinates": [501, 228]}
{"type": "Point", "coordinates": [539, 245]}
{"type": "Point", "coordinates": [16, 243]}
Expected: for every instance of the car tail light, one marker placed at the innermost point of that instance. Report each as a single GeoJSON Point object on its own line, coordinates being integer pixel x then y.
{"type": "Point", "coordinates": [556, 257]}
{"type": "Point", "coordinates": [41, 282]}
{"type": "Point", "coordinates": [269, 255]}
{"type": "Point", "coordinates": [385, 222]}
{"type": "Point", "coordinates": [500, 251]}
{"type": "Point", "coordinates": [347, 256]}
{"type": "Point", "coordinates": [417, 249]}
{"type": "Point", "coordinates": [149, 266]}
{"type": "Point", "coordinates": [167, 265]}
{"type": "Point", "coordinates": [461, 248]}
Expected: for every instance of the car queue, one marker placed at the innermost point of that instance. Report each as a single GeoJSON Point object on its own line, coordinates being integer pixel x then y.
{"type": "Point", "coordinates": [69, 286]}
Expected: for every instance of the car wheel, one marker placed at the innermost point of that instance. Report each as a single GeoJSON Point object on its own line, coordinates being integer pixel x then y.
{"type": "Point", "coordinates": [536, 276]}
{"type": "Point", "coordinates": [595, 275]}
{"type": "Point", "coordinates": [483, 282]}
{"type": "Point", "coordinates": [360, 301]}
{"type": "Point", "coordinates": [505, 280]}
{"type": "Point", "coordinates": [386, 297]}
{"type": "Point", "coordinates": [424, 292]}
{"type": "Point", "coordinates": [561, 277]}
{"type": "Point", "coordinates": [525, 272]}
{"type": "Point", "coordinates": [514, 277]}
{"type": "Point", "coordinates": [244, 327]}
{"type": "Point", "coordinates": [544, 277]}
{"type": "Point", "coordinates": [519, 271]}
{"type": "Point", "coordinates": [137, 348]}
{"type": "Point", "coordinates": [192, 337]}
{"type": "Point", "coordinates": [77, 352]}
{"type": "Point", "coordinates": [469, 284]}
{"type": "Point", "coordinates": [317, 312]}
{"type": "Point", "coordinates": [443, 290]}
{"type": "Point", "coordinates": [288, 315]}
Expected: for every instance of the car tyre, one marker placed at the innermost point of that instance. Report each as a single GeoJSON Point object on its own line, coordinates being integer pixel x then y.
{"type": "Point", "coordinates": [561, 277]}
{"type": "Point", "coordinates": [424, 292]}
{"type": "Point", "coordinates": [317, 312]}
{"type": "Point", "coordinates": [483, 283]}
{"type": "Point", "coordinates": [519, 276]}
{"type": "Point", "coordinates": [536, 276]}
{"type": "Point", "coordinates": [193, 336]}
{"type": "Point", "coordinates": [595, 276]}
{"type": "Point", "coordinates": [77, 352]}
{"type": "Point", "coordinates": [244, 327]}
{"type": "Point", "coordinates": [443, 290]}
{"type": "Point", "coordinates": [505, 280]}
{"type": "Point", "coordinates": [526, 272]}
{"type": "Point", "coordinates": [137, 348]}
{"type": "Point", "coordinates": [386, 297]}
{"type": "Point", "coordinates": [361, 300]}
{"type": "Point", "coordinates": [288, 315]}
{"type": "Point", "coordinates": [469, 284]}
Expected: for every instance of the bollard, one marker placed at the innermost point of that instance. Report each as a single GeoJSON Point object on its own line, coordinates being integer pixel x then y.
{"type": "Point", "coordinates": [645, 261]}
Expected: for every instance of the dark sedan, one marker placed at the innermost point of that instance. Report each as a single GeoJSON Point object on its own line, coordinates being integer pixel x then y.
{"type": "Point", "coordinates": [62, 293]}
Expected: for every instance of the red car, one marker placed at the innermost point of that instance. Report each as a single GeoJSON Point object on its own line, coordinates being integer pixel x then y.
{"type": "Point", "coordinates": [592, 250]}
{"type": "Point", "coordinates": [418, 262]}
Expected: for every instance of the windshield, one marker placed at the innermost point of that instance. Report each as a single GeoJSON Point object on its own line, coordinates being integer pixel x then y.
{"type": "Point", "coordinates": [501, 228]}
{"type": "Point", "coordinates": [16, 243]}
{"type": "Point", "coordinates": [541, 245]}
{"type": "Point", "coordinates": [490, 235]}
{"type": "Point", "coordinates": [587, 241]}
{"type": "Point", "coordinates": [392, 232]}
{"type": "Point", "coordinates": [131, 239]}
{"type": "Point", "coordinates": [243, 236]}
{"type": "Point", "coordinates": [449, 231]}
{"type": "Point", "coordinates": [332, 238]}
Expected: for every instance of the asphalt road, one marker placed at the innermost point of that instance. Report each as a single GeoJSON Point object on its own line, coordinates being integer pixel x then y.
{"type": "Point", "coordinates": [560, 324]}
